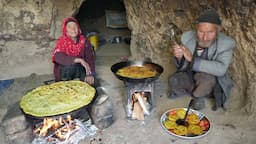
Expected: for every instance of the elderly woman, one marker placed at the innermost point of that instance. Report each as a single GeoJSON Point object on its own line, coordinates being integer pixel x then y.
{"type": "Point", "coordinates": [73, 56]}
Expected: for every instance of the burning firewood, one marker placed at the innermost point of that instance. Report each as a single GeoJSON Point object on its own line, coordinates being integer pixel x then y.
{"type": "Point", "coordinates": [61, 121]}
{"type": "Point", "coordinates": [142, 101]}
{"type": "Point", "coordinates": [47, 124]}
{"type": "Point", "coordinates": [137, 112]}
{"type": "Point", "coordinates": [60, 135]}
{"type": "Point", "coordinates": [139, 106]}
{"type": "Point", "coordinates": [61, 127]}
{"type": "Point", "coordinates": [36, 130]}
{"type": "Point", "coordinates": [69, 119]}
{"type": "Point", "coordinates": [70, 131]}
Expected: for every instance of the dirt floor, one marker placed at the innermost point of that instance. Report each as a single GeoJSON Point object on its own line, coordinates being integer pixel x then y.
{"type": "Point", "coordinates": [226, 127]}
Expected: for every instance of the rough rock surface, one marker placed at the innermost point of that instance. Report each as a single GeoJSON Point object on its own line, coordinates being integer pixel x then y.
{"type": "Point", "coordinates": [151, 21]}
{"type": "Point", "coordinates": [28, 30]}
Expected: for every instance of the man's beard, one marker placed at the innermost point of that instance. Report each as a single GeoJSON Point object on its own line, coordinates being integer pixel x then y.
{"type": "Point", "coordinates": [205, 44]}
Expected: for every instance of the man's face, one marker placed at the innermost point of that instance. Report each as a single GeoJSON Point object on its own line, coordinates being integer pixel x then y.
{"type": "Point", "coordinates": [72, 29]}
{"type": "Point", "coordinates": [206, 34]}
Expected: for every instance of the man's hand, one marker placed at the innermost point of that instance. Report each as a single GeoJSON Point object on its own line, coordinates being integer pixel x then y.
{"type": "Point", "coordinates": [187, 54]}
{"type": "Point", "coordinates": [84, 64]}
{"type": "Point", "coordinates": [180, 51]}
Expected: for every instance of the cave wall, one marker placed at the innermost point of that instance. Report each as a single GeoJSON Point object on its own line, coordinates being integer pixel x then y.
{"type": "Point", "coordinates": [150, 22]}
{"type": "Point", "coordinates": [29, 28]}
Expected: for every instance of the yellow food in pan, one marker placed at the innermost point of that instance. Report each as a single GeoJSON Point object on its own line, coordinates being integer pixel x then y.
{"type": "Point", "coordinates": [181, 130]}
{"type": "Point", "coordinates": [195, 129]}
{"type": "Point", "coordinates": [181, 113]}
{"type": "Point", "coordinates": [136, 72]}
{"type": "Point", "coordinates": [173, 118]}
{"type": "Point", "coordinates": [193, 119]}
{"type": "Point", "coordinates": [170, 124]}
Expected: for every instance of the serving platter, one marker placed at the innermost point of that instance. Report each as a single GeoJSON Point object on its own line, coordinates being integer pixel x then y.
{"type": "Point", "coordinates": [203, 123]}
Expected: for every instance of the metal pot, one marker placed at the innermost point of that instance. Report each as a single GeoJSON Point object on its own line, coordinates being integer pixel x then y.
{"type": "Point", "coordinates": [159, 69]}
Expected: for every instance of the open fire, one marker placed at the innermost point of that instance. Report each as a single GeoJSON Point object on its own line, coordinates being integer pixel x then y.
{"type": "Point", "coordinates": [140, 99]}
{"type": "Point", "coordinates": [54, 129]}
{"type": "Point", "coordinates": [62, 130]}
{"type": "Point", "coordinates": [139, 105]}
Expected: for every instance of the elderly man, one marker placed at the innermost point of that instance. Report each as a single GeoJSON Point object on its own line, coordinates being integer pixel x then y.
{"type": "Point", "coordinates": [202, 61]}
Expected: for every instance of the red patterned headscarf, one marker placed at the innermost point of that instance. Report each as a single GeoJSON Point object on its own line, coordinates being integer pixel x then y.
{"type": "Point", "coordinates": [66, 44]}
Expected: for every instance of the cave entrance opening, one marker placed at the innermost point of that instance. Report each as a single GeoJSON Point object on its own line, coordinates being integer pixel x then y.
{"type": "Point", "coordinates": [106, 22]}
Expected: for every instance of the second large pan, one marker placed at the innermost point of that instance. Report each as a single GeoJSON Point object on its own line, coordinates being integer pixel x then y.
{"type": "Point", "coordinates": [159, 69]}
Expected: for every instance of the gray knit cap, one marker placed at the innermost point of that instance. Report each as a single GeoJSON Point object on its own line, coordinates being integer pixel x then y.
{"type": "Point", "coordinates": [209, 16]}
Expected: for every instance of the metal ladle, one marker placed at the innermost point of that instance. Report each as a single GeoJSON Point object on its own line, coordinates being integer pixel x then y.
{"type": "Point", "coordinates": [183, 121]}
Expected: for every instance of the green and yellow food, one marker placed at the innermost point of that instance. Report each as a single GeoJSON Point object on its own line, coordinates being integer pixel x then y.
{"type": "Point", "coordinates": [57, 98]}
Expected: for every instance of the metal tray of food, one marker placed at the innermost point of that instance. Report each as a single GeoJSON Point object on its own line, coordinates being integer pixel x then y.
{"type": "Point", "coordinates": [198, 125]}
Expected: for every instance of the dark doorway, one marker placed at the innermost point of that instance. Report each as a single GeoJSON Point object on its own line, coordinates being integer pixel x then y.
{"type": "Point", "coordinates": [107, 20]}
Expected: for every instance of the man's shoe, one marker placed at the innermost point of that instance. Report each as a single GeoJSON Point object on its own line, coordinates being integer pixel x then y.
{"type": "Point", "coordinates": [198, 103]}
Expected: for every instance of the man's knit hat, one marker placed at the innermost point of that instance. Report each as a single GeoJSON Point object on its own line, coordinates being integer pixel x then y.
{"type": "Point", "coordinates": [209, 16]}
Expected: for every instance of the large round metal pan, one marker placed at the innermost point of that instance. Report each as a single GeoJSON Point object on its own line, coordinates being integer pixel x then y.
{"type": "Point", "coordinates": [78, 113]}
{"type": "Point", "coordinates": [159, 69]}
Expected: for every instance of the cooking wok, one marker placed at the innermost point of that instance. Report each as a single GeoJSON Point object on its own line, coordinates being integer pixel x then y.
{"type": "Point", "coordinates": [159, 69]}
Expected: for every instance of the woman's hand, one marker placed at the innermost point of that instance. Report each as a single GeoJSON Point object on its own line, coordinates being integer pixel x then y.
{"type": "Point", "coordinates": [84, 64]}
{"type": "Point", "coordinates": [89, 79]}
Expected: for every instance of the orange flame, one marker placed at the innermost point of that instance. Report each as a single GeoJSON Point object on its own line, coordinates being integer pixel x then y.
{"type": "Point", "coordinates": [61, 127]}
